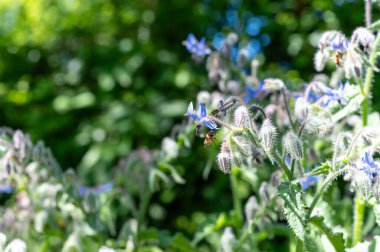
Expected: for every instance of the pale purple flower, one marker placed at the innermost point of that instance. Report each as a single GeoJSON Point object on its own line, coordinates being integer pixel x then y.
{"type": "Point", "coordinates": [369, 166]}
{"type": "Point", "coordinates": [337, 95]}
{"type": "Point", "coordinates": [339, 43]}
{"type": "Point", "coordinates": [197, 48]}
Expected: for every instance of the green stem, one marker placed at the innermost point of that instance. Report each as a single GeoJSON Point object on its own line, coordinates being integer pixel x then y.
{"type": "Point", "coordinates": [368, 79]}
{"type": "Point", "coordinates": [279, 160]}
{"type": "Point", "coordinates": [323, 188]}
{"type": "Point", "coordinates": [143, 207]}
{"type": "Point", "coordinates": [358, 220]}
{"type": "Point", "coordinates": [235, 194]}
{"type": "Point", "coordinates": [287, 109]}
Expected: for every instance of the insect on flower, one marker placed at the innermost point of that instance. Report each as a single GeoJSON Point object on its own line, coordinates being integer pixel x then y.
{"type": "Point", "coordinates": [338, 58]}
{"type": "Point", "coordinates": [210, 138]}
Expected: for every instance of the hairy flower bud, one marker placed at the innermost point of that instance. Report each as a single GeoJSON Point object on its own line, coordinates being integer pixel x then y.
{"type": "Point", "coordinates": [352, 64]}
{"type": "Point", "coordinates": [243, 56]}
{"type": "Point", "coordinates": [301, 108]}
{"type": "Point", "coordinates": [293, 145]}
{"type": "Point", "coordinates": [317, 125]}
{"type": "Point", "coordinates": [231, 39]}
{"type": "Point", "coordinates": [268, 134]}
{"type": "Point", "coordinates": [326, 39]}
{"type": "Point", "coordinates": [228, 240]}
{"type": "Point", "coordinates": [251, 208]}
{"type": "Point", "coordinates": [241, 144]}
{"type": "Point", "coordinates": [362, 183]}
{"type": "Point", "coordinates": [364, 37]}
{"type": "Point", "coordinates": [320, 59]}
{"type": "Point", "coordinates": [204, 97]}
{"type": "Point", "coordinates": [224, 158]}
{"type": "Point", "coordinates": [241, 116]}
{"type": "Point", "coordinates": [264, 192]}
{"type": "Point", "coordinates": [234, 87]}
{"type": "Point", "coordinates": [376, 188]}
{"type": "Point", "coordinates": [170, 147]}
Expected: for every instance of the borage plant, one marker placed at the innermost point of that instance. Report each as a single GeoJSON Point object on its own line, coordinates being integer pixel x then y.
{"type": "Point", "coordinates": [312, 138]}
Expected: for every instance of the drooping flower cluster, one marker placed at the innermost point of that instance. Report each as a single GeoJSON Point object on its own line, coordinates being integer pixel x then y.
{"type": "Point", "coordinates": [345, 53]}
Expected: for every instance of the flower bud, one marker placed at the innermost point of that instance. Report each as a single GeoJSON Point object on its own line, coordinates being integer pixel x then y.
{"type": "Point", "coordinates": [241, 116]}
{"type": "Point", "coordinates": [224, 158]}
{"type": "Point", "coordinates": [170, 147]}
{"type": "Point", "coordinates": [275, 179]}
{"type": "Point", "coordinates": [376, 188]}
{"type": "Point", "coordinates": [352, 64]}
{"type": "Point", "coordinates": [251, 208]}
{"type": "Point", "coordinates": [370, 133]}
{"type": "Point", "coordinates": [293, 145]}
{"type": "Point", "coordinates": [204, 97]}
{"type": "Point", "coordinates": [234, 87]}
{"type": "Point", "coordinates": [317, 125]}
{"type": "Point", "coordinates": [320, 59]}
{"type": "Point", "coordinates": [301, 108]}
{"type": "Point", "coordinates": [243, 56]}
{"type": "Point", "coordinates": [228, 240]}
{"type": "Point", "coordinates": [231, 39]}
{"type": "Point", "coordinates": [364, 37]}
{"type": "Point", "coordinates": [268, 134]}
{"type": "Point", "coordinates": [362, 183]}
{"type": "Point", "coordinates": [241, 144]}
{"type": "Point", "coordinates": [327, 38]}
{"type": "Point", "coordinates": [264, 192]}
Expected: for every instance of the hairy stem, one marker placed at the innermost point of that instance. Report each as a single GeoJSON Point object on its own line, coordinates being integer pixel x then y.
{"type": "Point", "coordinates": [358, 220]}
{"type": "Point", "coordinates": [368, 80]}
{"type": "Point", "coordinates": [323, 188]}
{"type": "Point", "coordinates": [282, 164]}
{"type": "Point", "coordinates": [287, 109]}
{"type": "Point", "coordinates": [367, 13]}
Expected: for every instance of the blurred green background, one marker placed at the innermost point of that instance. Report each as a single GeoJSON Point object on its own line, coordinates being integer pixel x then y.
{"type": "Point", "coordinates": [96, 79]}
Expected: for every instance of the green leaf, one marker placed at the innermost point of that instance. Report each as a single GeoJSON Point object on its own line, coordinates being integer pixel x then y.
{"type": "Point", "coordinates": [336, 239]}
{"type": "Point", "coordinates": [322, 169]}
{"type": "Point", "coordinates": [294, 210]}
{"type": "Point", "coordinates": [181, 244]}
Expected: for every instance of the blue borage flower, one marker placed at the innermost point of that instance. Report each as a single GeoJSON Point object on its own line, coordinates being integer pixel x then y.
{"type": "Point", "coordinates": [103, 188]}
{"type": "Point", "coordinates": [197, 48]}
{"type": "Point", "coordinates": [312, 97]}
{"type": "Point", "coordinates": [308, 181]}
{"type": "Point", "coordinates": [253, 93]}
{"type": "Point", "coordinates": [6, 189]}
{"type": "Point", "coordinates": [339, 43]}
{"type": "Point", "coordinates": [336, 95]}
{"type": "Point", "coordinates": [369, 166]}
{"type": "Point", "coordinates": [200, 117]}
